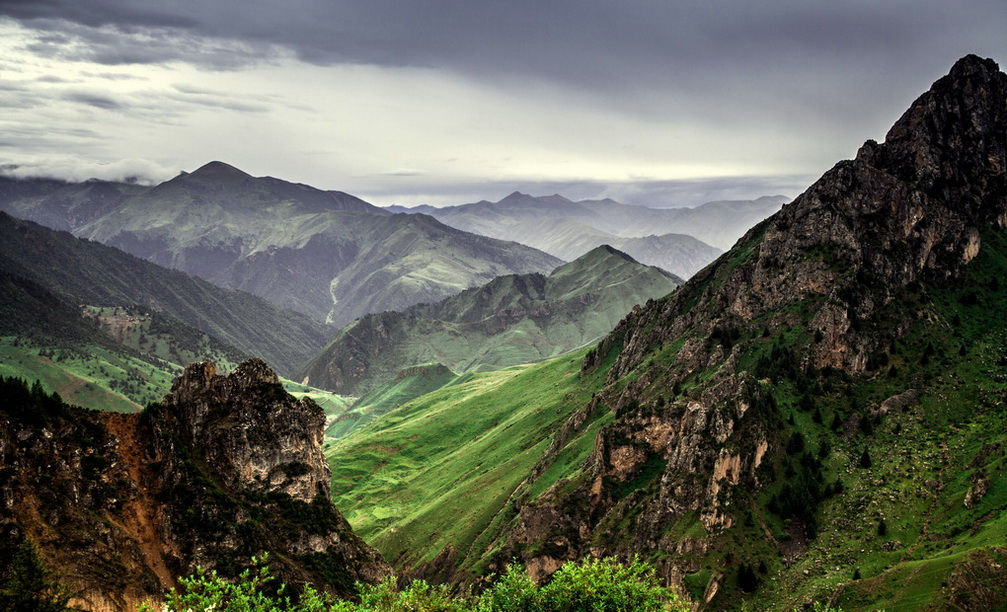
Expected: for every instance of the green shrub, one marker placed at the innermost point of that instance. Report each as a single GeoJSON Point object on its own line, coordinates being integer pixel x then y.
{"type": "Point", "coordinates": [603, 585]}
{"type": "Point", "coordinates": [417, 597]}
{"type": "Point", "coordinates": [607, 585]}
{"type": "Point", "coordinates": [205, 590]}
{"type": "Point", "coordinates": [514, 591]}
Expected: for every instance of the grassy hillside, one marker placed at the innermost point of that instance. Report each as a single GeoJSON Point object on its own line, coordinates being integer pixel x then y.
{"type": "Point", "coordinates": [108, 332]}
{"type": "Point", "coordinates": [408, 385]}
{"type": "Point", "coordinates": [91, 376]}
{"type": "Point", "coordinates": [512, 319]}
{"type": "Point", "coordinates": [447, 471]}
{"type": "Point", "coordinates": [442, 472]}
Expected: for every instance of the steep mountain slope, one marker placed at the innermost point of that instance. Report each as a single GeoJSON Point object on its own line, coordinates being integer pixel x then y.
{"type": "Point", "coordinates": [816, 416]}
{"type": "Point", "coordinates": [326, 254]}
{"type": "Point", "coordinates": [816, 303]}
{"type": "Point", "coordinates": [103, 276]}
{"type": "Point", "coordinates": [432, 484]}
{"type": "Point", "coordinates": [120, 506]}
{"type": "Point", "coordinates": [510, 320]}
{"type": "Point", "coordinates": [569, 229]}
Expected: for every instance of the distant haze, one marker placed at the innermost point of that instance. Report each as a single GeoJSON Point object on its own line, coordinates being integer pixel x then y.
{"type": "Point", "coordinates": [444, 102]}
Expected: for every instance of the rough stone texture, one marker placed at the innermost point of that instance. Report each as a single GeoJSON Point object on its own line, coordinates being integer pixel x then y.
{"type": "Point", "coordinates": [911, 209]}
{"type": "Point", "coordinates": [255, 437]}
{"type": "Point", "coordinates": [223, 468]}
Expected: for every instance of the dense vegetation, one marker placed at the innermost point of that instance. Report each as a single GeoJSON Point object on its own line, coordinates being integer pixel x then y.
{"type": "Point", "coordinates": [600, 585]}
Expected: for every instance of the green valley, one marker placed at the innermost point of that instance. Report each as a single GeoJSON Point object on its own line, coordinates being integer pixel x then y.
{"type": "Point", "coordinates": [403, 480]}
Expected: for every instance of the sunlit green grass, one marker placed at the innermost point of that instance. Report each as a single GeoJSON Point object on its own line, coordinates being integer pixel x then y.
{"type": "Point", "coordinates": [440, 470]}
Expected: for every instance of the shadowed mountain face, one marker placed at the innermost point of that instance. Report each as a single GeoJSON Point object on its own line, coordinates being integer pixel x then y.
{"type": "Point", "coordinates": [326, 254]}
{"type": "Point", "coordinates": [510, 320]}
{"type": "Point", "coordinates": [45, 298]}
{"type": "Point", "coordinates": [817, 416]}
{"type": "Point", "coordinates": [223, 468]}
{"type": "Point", "coordinates": [678, 240]}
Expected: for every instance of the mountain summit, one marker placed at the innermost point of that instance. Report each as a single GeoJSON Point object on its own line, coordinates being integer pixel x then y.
{"type": "Point", "coordinates": [817, 416]}
{"type": "Point", "coordinates": [831, 304]}
{"type": "Point", "coordinates": [326, 254]}
{"type": "Point", "coordinates": [219, 169]}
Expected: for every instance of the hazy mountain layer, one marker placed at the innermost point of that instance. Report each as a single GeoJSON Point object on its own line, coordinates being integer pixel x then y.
{"type": "Point", "coordinates": [818, 416]}
{"type": "Point", "coordinates": [326, 254]}
{"type": "Point", "coordinates": [678, 239]}
{"type": "Point", "coordinates": [510, 320]}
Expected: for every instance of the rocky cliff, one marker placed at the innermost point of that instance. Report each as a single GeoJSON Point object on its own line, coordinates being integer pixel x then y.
{"type": "Point", "coordinates": [817, 296]}
{"type": "Point", "coordinates": [223, 468]}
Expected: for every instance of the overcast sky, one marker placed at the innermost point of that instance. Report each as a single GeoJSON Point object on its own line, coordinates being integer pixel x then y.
{"type": "Point", "coordinates": [451, 101]}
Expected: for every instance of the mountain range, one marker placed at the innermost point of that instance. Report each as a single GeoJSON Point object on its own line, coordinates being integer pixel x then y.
{"type": "Point", "coordinates": [815, 417]}
{"type": "Point", "coordinates": [677, 239]}
{"type": "Point", "coordinates": [326, 254]}
{"type": "Point", "coordinates": [511, 320]}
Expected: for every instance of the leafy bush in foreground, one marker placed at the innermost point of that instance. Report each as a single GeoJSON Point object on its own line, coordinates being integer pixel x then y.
{"type": "Point", "coordinates": [593, 585]}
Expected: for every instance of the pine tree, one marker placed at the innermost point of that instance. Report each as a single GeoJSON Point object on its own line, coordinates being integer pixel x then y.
{"type": "Point", "coordinates": [865, 459]}
{"type": "Point", "coordinates": [28, 586]}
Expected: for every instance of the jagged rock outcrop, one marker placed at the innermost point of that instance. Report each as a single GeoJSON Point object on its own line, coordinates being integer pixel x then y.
{"type": "Point", "coordinates": [223, 468]}
{"type": "Point", "coordinates": [255, 438]}
{"type": "Point", "coordinates": [694, 425]}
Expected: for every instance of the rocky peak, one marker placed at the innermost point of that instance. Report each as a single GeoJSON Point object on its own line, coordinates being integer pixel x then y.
{"type": "Point", "coordinates": [909, 209]}
{"type": "Point", "coordinates": [252, 434]}
{"type": "Point", "coordinates": [219, 169]}
{"type": "Point", "coordinates": [835, 264]}
{"type": "Point", "coordinates": [952, 136]}
{"type": "Point", "coordinates": [224, 468]}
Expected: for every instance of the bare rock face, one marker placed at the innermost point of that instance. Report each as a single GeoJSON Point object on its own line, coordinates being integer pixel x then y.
{"type": "Point", "coordinates": [255, 437]}
{"type": "Point", "coordinates": [243, 459]}
{"type": "Point", "coordinates": [222, 469]}
{"type": "Point", "coordinates": [912, 209]}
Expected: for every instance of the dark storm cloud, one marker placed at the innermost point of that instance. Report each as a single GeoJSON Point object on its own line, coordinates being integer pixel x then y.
{"type": "Point", "coordinates": [776, 87]}
{"type": "Point", "coordinates": [723, 62]}
{"type": "Point", "coordinates": [577, 40]}
{"type": "Point", "coordinates": [124, 44]}
{"type": "Point", "coordinates": [98, 13]}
